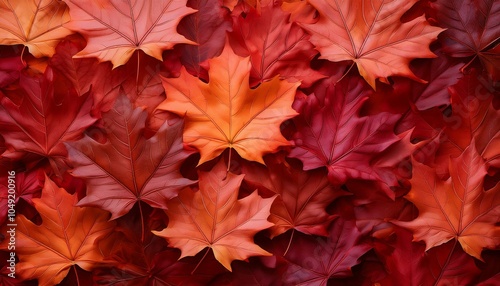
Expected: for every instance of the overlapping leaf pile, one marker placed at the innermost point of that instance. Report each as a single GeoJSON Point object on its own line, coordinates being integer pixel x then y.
{"type": "Point", "coordinates": [255, 142]}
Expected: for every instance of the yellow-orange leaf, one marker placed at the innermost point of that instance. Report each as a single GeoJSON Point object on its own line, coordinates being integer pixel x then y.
{"type": "Point", "coordinates": [37, 24]}
{"type": "Point", "coordinates": [371, 34]}
{"type": "Point", "coordinates": [66, 237]}
{"type": "Point", "coordinates": [226, 113]}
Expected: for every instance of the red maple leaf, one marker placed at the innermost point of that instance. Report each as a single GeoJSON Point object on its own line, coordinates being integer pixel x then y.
{"type": "Point", "coordinates": [275, 45]}
{"type": "Point", "coordinates": [314, 260]}
{"type": "Point", "coordinates": [36, 119]}
{"type": "Point", "coordinates": [331, 132]}
{"type": "Point", "coordinates": [302, 195]}
{"type": "Point", "coordinates": [472, 30]}
{"type": "Point", "coordinates": [127, 167]}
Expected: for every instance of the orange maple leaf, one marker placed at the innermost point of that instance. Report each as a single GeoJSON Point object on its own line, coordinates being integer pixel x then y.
{"type": "Point", "coordinates": [65, 238]}
{"type": "Point", "coordinates": [457, 208]}
{"type": "Point", "coordinates": [114, 31]}
{"type": "Point", "coordinates": [37, 24]}
{"type": "Point", "coordinates": [370, 33]}
{"type": "Point", "coordinates": [226, 113]}
{"type": "Point", "coordinates": [214, 217]}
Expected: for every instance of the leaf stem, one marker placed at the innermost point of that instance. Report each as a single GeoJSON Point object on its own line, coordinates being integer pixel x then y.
{"type": "Point", "coordinates": [229, 160]}
{"type": "Point", "coordinates": [462, 69]}
{"type": "Point", "coordinates": [22, 55]}
{"type": "Point", "coordinates": [446, 263]}
{"type": "Point", "coordinates": [197, 265]}
{"type": "Point", "coordinates": [289, 242]}
{"type": "Point", "coordinates": [142, 222]}
{"type": "Point", "coordinates": [348, 70]}
{"type": "Point", "coordinates": [76, 275]}
{"type": "Point", "coordinates": [137, 74]}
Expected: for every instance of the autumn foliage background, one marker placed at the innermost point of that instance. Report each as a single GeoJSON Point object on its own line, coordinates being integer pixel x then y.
{"type": "Point", "coordinates": [206, 142]}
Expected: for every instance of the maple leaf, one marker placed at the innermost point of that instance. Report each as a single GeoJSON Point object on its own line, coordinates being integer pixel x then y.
{"type": "Point", "coordinates": [473, 119]}
{"type": "Point", "coordinates": [139, 78]}
{"type": "Point", "coordinates": [114, 30]}
{"type": "Point", "coordinates": [127, 168]}
{"type": "Point", "coordinates": [65, 238]}
{"type": "Point", "coordinates": [148, 261]}
{"type": "Point", "coordinates": [37, 24]}
{"type": "Point", "coordinates": [472, 30]}
{"type": "Point", "coordinates": [38, 120]}
{"type": "Point", "coordinates": [275, 46]}
{"type": "Point", "coordinates": [303, 196]}
{"type": "Point", "coordinates": [85, 75]}
{"type": "Point", "coordinates": [449, 264]}
{"type": "Point", "coordinates": [409, 264]}
{"type": "Point", "coordinates": [313, 261]}
{"type": "Point", "coordinates": [371, 35]}
{"type": "Point", "coordinates": [457, 208]}
{"type": "Point", "coordinates": [217, 113]}
{"type": "Point", "coordinates": [214, 217]}
{"type": "Point", "coordinates": [331, 133]}
{"type": "Point", "coordinates": [207, 27]}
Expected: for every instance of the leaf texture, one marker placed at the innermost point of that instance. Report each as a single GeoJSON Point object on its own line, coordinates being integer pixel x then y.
{"type": "Point", "coordinates": [234, 142]}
